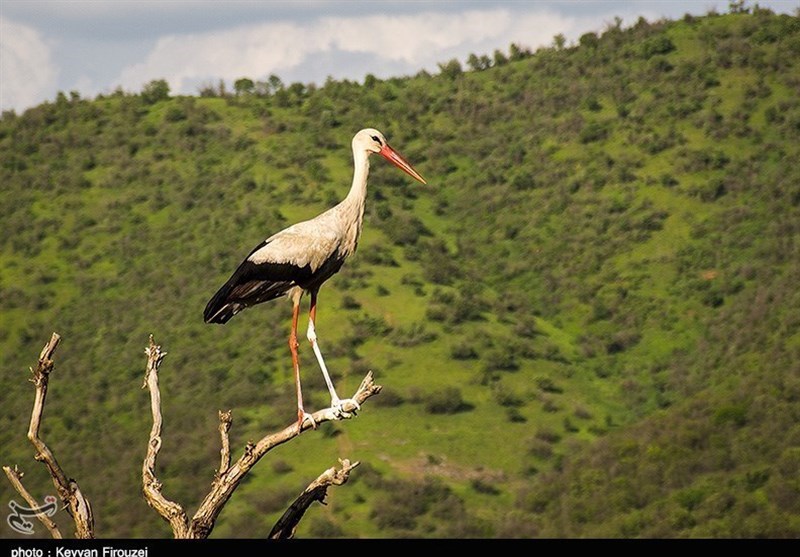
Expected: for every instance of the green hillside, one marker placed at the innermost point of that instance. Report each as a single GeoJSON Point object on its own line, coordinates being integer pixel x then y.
{"type": "Point", "coordinates": [587, 324]}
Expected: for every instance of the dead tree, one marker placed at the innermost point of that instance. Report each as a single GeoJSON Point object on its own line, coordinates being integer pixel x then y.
{"type": "Point", "coordinates": [227, 478]}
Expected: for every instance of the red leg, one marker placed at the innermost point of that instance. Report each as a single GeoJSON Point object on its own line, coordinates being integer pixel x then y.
{"type": "Point", "coordinates": [312, 311]}
{"type": "Point", "coordinates": [293, 345]}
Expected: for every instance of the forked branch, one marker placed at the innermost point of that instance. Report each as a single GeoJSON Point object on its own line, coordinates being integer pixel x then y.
{"type": "Point", "coordinates": [68, 490]}
{"type": "Point", "coordinates": [229, 476]}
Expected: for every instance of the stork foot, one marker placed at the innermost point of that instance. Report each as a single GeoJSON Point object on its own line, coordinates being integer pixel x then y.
{"type": "Point", "coordinates": [345, 408]}
{"type": "Point", "coordinates": [302, 416]}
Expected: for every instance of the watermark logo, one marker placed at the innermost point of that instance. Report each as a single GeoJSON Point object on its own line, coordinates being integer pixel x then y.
{"type": "Point", "coordinates": [18, 519]}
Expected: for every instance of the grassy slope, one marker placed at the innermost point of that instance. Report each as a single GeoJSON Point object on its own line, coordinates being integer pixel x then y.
{"type": "Point", "coordinates": [611, 230]}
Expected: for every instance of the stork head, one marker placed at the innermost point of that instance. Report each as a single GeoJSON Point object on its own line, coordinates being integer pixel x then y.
{"type": "Point", "coordinates": [372, 141]}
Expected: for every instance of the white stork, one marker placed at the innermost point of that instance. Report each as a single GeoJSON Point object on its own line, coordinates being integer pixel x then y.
{"type": "Point", "coordinates": [301, 257]}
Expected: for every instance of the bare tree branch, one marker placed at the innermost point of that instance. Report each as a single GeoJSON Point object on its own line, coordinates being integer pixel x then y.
{"type": "Point", "coordinates": [15, 477]}
{"type": "Point", "coordinates": [171, 512]}
{"type": "Point", "coordinates": [68, 490]}
{"type": "Point", "coordinates": [316, 491]}
{"type": "Point", "coordinates": [226, 480]}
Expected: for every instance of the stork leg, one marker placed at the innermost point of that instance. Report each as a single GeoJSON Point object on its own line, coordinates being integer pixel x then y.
{"type": "Point", "coordinates": [336, 403]}
{"type": "Point", "coordinates": [302, 415]}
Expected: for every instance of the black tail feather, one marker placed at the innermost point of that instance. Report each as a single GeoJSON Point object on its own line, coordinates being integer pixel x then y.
{"type": "Point", "coordinates": [219, 309]}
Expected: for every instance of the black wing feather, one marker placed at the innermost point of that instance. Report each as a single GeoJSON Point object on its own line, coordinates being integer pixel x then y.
{"type": "Point", "coordinates": [253, 283]}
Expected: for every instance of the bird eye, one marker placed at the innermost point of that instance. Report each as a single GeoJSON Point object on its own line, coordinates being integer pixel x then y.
{"type": "Point", "coordinates": [378, 139]}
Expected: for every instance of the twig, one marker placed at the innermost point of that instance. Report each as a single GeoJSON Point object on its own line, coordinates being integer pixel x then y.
{"type": "Point", "coordinates": [15, 477]}
{"type": "Point", "coordinates": [316, 491]}
{"type": "Point", "coordinates": [68, 490]}
{"type": "Point", "coordinates": [225, 421]}
{"type": "Point", "coordinates": [171, 512]}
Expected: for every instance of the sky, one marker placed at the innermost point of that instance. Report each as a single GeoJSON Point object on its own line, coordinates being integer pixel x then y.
{"type": "Point", "coordinates": [96, 46]}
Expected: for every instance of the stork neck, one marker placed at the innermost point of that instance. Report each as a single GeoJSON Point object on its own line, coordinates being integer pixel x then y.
{"type": "Point", "coordinates": [352, 207]}
{"type": "Point", "coordinates": [358, 191]}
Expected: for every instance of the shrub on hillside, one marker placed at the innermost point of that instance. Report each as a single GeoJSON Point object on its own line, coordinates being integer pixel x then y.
{"type": "Point", "coordinates": [445, 401]}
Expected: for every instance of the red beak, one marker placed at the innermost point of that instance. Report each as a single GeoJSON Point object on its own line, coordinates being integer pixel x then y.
{"type": "Point", "coordinates": [397, 159]}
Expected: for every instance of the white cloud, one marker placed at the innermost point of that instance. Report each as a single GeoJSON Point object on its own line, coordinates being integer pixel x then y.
{"type": "Point", "coordinates": [413, 38]}
{"type": "Point", "coordinates": [27, 72]}
{"type": "Point", "coordinates": [414, 41]}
